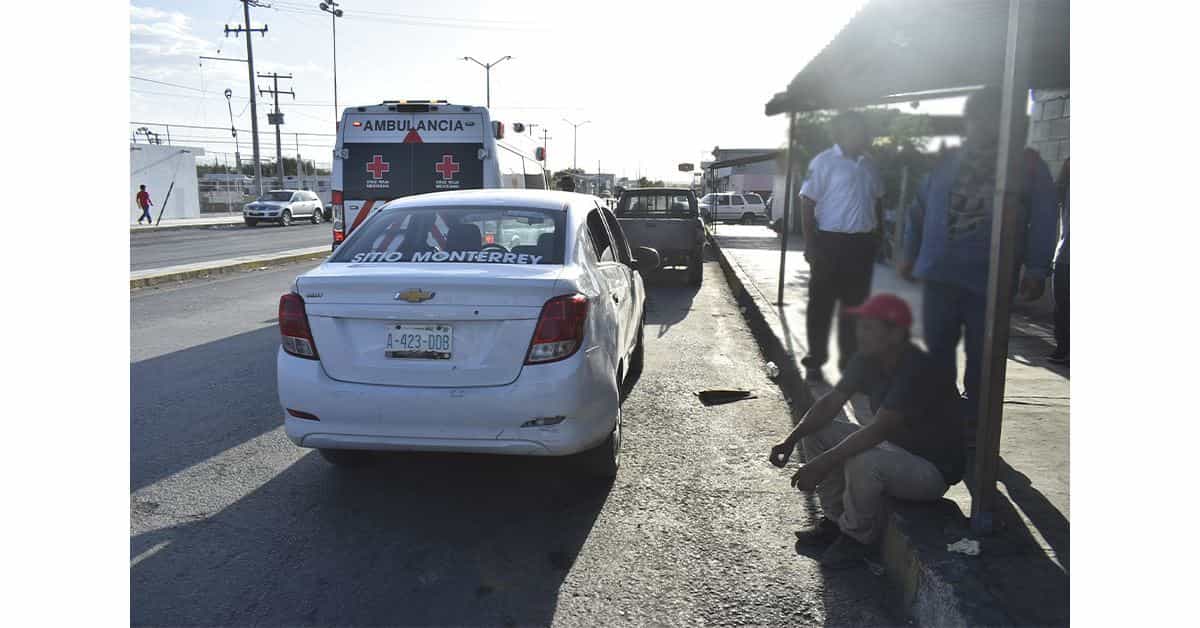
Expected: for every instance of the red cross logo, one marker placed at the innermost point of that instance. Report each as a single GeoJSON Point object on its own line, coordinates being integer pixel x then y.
{"type": "Point", "coordinates": [447, 167]}
{"type": "Point", "coordinates": [378, 166]}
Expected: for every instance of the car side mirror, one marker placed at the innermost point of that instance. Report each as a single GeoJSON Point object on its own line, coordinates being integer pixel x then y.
{"type": "Point", "coordinates": [646, 259]}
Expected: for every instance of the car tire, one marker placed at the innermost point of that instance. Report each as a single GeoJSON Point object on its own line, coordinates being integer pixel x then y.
{"type": "Point", "coordinates": [250, 222]}
{"type": "Point", "coordinates": [637, 361]}
{"type": "Point", "coordinates": [285, 219]}
{"type": "Point", "coordinates": [601, 463]}
{"type": "Point", "coordinates": [316, 217]}
{"type": "Point", "coordinates": [748, 219]}
{"type": "Point", "coordinates": [696, 271]}
{"type": "Point", "coordinates": [347, 458]}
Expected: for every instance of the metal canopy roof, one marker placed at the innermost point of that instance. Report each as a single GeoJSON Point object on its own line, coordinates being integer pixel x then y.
{"type": "Point", "coordinates": [893, 49]}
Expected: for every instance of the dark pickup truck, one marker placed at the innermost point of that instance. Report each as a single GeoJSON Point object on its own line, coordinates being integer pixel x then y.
{"type": "Point", "coordinates": [667, 220]}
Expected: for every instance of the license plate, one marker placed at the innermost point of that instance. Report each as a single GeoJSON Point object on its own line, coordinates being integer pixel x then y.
{"type": "Point", "coordinates": [422, 342]}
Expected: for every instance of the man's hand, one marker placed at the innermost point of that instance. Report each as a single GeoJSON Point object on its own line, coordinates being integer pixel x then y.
{"type": "Point", "coordinates": [809, 476]}
{"type": "Point", "coordinates": [906, 270]}
{"type": "Point", "coordinates": [1032, 289]}
{"type": "Point", "coordinates": [781, 453]}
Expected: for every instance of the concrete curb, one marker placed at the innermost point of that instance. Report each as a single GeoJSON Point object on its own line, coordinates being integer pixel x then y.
{"type": "Point", "coordinates": [156, 276]}
{"type": "Point", "coordinates": [171, 227]}
{"type": "Point", "coordinates": [933, 590]}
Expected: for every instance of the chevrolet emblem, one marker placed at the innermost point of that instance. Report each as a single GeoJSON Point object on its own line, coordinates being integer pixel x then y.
{"type": "Point", "coordinates": [414, 296]}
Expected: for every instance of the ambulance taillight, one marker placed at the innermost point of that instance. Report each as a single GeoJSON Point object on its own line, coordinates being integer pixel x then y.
{"type": "Point", "coordinates": [339, 222]}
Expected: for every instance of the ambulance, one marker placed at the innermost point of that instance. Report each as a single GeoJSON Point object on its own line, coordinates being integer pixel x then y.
{"type": "Point", "coordinates": [404, 147]}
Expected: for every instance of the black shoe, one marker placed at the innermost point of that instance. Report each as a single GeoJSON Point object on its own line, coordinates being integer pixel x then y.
{"type": "Point", "coordinates": [814, 375]}
{"type": "Point", "coordinates": [845, 552]}
{"type": "Point", "coordinates": [824, 533]}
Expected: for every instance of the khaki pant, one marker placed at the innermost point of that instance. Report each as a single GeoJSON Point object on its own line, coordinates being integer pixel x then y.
{"type": "Point", "coordinates": [853, 493]}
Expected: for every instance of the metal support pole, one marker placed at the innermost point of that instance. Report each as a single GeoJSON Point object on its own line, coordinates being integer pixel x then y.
{"type": "Point", "coordinates": [1001, 272]}
{"type": "Point", "coordinates": [787, 205]}
{"type": "Point", "coordinates": [900, 215]}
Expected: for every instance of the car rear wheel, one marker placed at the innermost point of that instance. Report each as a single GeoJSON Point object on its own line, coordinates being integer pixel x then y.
{"type": "Point", "coordinates": [696, 270]}
{"type": "Point", "coordinates": [317, 217]}
{"type": "Point", "coordinates": [600, 463]}
{"type": "Point", "coordinates": [347, 458]}
{"type": "Point", "coordinates": [250, 222]}
{"type": "Point", "coordinates": [285, 220]}
{"type": "Point", "coordinates": [748, 219]}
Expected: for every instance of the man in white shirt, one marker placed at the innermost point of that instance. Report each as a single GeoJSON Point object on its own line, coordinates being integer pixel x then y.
{"type": "Point", "coordinates": [841, 213]}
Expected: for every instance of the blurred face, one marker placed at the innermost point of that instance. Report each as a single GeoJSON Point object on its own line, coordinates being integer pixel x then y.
{"type": "Point", "coordinates": [851, 136]}
{"type": "Point", "coordinates": [982, 119]}
{"type": "Point", "coordinates": [876, 337]}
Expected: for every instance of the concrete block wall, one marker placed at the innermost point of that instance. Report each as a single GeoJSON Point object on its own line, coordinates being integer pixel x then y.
{"type": "Point", "coordinates": [1050, 126]}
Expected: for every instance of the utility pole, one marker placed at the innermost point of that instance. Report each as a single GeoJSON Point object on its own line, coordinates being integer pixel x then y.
{"type": "Point", "coordinates": [331, 7]}
{"type": "Point", "coordinates": [488, 67]}
{"type": "Point", "coordinates": [299, 167]}
{"type": "Point", "coordinates": [246, 4]}
{"type": "Point", "coordinates": [276, 119]}
{"type": "Point", "coordinates": [575, 147]}
{"type": "Point", "coordinates": [545, 142]}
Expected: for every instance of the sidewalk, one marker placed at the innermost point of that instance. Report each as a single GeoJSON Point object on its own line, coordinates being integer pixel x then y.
{"type": "Point", "coordinates": [1022, 573]}
{"type": "Point", "coordinates": [211, 220]}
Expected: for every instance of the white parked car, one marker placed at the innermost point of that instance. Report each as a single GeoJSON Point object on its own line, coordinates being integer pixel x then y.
{"type": "Point", "coordinates": [747, 208]}
{"type": "Point", "coordinates": [495, 321]}
{"type": "Point", "coordinates": [284, 206]}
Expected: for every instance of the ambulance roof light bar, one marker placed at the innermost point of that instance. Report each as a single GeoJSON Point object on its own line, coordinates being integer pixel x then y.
{"type": "Point", "coordinates": [416, 102]}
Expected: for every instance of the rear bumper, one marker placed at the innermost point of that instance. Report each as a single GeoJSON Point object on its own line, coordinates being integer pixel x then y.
{"type": "Point", "coordinates": [479, 420]}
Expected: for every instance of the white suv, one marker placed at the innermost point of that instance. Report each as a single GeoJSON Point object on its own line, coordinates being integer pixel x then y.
{"type": "Point", "coordinates": [746, 208]}
{"type": "Point", "coordinates": [283, 206]}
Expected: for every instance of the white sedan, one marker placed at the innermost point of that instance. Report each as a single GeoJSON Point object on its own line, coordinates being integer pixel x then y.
{"type": "Point", "coordinates": [491, 321]}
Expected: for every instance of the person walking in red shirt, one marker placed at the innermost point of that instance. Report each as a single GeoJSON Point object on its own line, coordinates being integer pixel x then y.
{"type": "Point", "coordinates": [143, 201]}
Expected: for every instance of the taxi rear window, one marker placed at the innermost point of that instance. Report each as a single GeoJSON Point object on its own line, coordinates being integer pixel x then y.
{"type": "Point", "coordinates": [442, 235]}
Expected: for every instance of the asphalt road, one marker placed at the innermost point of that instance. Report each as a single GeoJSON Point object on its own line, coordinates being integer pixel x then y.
{"type": "Point", "coordinates": [230, 524]}
{"type": "Point", "coordinates": [171, 247]}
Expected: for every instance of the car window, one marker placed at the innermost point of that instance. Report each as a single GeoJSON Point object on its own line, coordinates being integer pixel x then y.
{"type": "Point", "coordinates": [599, 236]}
{"type": "Point", "coordinates": [494, 235]}
{"type": "Point", "coordinates": [723, 199]}
{"type": "Point", "coordinates": [737, 200]}
{"type": "Point", "coordinates": [276, 196]}
{"type": "Point", "coordinates": [754, 198]}
{"type": "Point", "coordinates": [311, 196]}
{"type": "Point", "coordinates": [624, 255]}
{"type": "Point", "coordinates": [661, 203]}
{"type": "Point", "coordinates": [707, 198]}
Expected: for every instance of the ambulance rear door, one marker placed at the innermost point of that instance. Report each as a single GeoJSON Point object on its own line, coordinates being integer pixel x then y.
{"type": "Point", "coordinates": [388, 155]}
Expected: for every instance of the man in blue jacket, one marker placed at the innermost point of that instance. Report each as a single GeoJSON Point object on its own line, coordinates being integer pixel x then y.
{"type": "Point", "coordinates": [948, 239]}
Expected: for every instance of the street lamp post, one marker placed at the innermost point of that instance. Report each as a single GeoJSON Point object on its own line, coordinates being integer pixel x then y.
{"type": "Point", "coordinates": [331, 7]}
{"type": "Point", "coordinates": [488, 68]}
{"type": "Point", "coordinates": [575, 142]}
{"type": "Point", "coordinates": [237, 148]}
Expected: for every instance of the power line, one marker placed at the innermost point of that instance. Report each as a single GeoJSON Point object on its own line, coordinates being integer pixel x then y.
{"type": "Point", "coordinates": [305, 7]}
{"type": "Point", "coordinates": [139, 78]}
{"type": "Point", "coordinates": [219, 128]}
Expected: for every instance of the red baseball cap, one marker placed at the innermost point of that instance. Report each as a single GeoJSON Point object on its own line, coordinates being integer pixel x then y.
{"type": "Point", "coordinates": [884, 307]}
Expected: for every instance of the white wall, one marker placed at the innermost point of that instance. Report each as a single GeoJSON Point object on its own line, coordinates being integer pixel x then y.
{"type": "Point", "coordinates": [156, 166]}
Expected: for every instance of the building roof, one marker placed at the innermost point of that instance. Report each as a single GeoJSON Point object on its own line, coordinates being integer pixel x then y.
{"type": "Point", "coordinates": [893, 49]}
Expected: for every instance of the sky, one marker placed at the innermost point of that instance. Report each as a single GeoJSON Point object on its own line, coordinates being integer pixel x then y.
{"type": "Point", "coordinates": [661, 83]}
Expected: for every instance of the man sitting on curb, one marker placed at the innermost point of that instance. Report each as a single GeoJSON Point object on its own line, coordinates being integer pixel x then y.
{"type": "Point", "coordinates": [912, 450]}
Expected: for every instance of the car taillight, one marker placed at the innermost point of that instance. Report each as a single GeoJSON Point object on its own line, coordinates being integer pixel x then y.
{"type": "Point", "coordinates": [338, 215]}
{"type": "Point", "coordinates": [294, 332]}
{"type": "Point", "coordinates": [559, 332]}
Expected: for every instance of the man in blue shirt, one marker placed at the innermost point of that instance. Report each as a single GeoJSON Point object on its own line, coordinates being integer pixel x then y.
{"type": "Point", "coordinates": [948, 239]}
